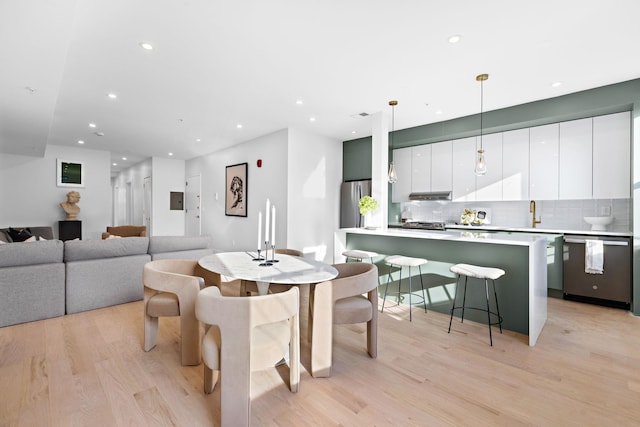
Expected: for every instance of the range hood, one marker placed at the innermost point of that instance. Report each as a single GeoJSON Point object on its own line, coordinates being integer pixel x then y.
{"type": "Point", "coordinates": [432, 195]}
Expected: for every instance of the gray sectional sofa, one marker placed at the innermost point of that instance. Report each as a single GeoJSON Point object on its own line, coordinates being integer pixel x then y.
{"type": "Point", "coordinates": [49, 278]}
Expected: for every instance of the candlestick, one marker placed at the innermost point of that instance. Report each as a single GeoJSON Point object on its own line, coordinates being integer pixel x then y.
{"type": "Point", "coordinates": [266, 223]}
{"type": "Point", "coordinates": [273, 226]}
{"type": "Point", "coordinates": [259, 230]}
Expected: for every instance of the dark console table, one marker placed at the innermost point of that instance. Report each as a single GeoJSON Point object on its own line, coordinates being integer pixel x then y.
{"type": "Point", "coordinates": [69, 230]}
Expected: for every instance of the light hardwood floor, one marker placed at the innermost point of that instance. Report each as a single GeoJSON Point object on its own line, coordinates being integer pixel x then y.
{"type": "Point", "coordinates": [89, 369]}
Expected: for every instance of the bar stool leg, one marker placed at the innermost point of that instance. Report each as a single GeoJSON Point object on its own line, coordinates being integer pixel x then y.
{"type": "Point", "coordinates": [384, 298]}
{"type": "Point", "coordinates": [486, 289]}
{"type": "Point", "coordinates": [410, 292]}
{"type": "Point", "coordinates": [453, 306]}
{"type": "Point", "coordinates": [464, 298]}
{"type": "Point", "coordinates": [424, 298]}
{"type": "Point", "coordinates": [495, 295]}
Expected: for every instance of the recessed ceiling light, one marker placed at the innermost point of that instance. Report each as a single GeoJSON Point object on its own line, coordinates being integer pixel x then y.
{"type": "Point", "coordinates": [556, 84]}
{"type": "Point", "coordinates": [299, 102]}
{"type": "Point", "coordinates": [146, 46]}
{"type": "Point", "coordinates": [198, 140]}
{"type": "Point", "coordinates": [92, 125]}
{"type": "Point", "coordinates": [171, 154]}
{"type": "Point", "coordinates": [80, 141]}
{"type": "Point", "coordinates": [239, 126]}
{"type": "Point", "coordinates": [124, 158]}
{"type": "Point", "coordinates": [354, 131]}
{"type": "Point", "coordinates": [114, 164]}
{"type": "Point", "coordinates": [112, 95]}
{"type": "Point", "coordinates": [312, 119]}
{"type": "Point", "coordinates": [454, 38]}
{"type": "Point", "coordinates": [439, 112]}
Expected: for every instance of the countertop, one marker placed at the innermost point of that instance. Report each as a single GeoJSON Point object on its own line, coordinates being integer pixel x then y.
{"type": "Point", "coordinates": [466, 235]}
{"type": "Point", "coordinates": [530, 230]}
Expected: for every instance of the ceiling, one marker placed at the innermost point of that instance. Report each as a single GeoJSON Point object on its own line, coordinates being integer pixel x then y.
{"type": "Point", "coordinates": [217, 65]}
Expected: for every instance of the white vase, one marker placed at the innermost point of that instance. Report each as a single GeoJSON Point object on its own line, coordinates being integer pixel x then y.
{"type": "Point", "coordinates": [368, 221]}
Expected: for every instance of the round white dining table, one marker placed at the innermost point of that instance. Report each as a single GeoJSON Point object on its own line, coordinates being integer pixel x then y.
{"type": "Point", "coordinates": [289, 270]}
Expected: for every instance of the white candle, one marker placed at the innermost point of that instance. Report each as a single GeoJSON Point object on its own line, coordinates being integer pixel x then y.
{"type": "Point", "coordinates": [259, 230]}
{"type": "Point", "coordinates": [266, 223]}
{"type": "Point", "coordinates": [273, 225]}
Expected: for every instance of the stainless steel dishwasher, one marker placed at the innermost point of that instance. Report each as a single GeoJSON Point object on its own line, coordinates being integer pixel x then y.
{"type": "Point", "coordinates": [613, 287]}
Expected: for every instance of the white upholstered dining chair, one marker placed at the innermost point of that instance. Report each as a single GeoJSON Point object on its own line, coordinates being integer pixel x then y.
{"type": "Point", "coordinates": [341, 301]}
{"type": "Point", "coordinates": [171, 287]}
{"type": "Point", "coordinates": [244, 335]}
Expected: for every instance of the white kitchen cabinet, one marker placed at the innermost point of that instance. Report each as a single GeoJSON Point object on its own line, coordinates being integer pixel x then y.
{"type": "Point", "coordinates": [612, 156]}
{"type": "Point", "coordinates": [543, 162]}
{"type": "Point", "coordinates": [575, 159]}
{"type": "Point", "coordinates": [402, 162]}
{"type": "Point", "coordinates": [515, 165]}
{"type": "Point", "coordinates": [464, 177]}
{"type": "Point", "coordinates": [421, 168]}
{"type": "Point", "coordinates": [489, 185]}
{"type": "Point", "coordinates": [442, 166]}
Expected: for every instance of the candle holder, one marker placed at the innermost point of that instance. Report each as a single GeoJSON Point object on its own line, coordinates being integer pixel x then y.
{"type": "Point", "coordinates": [266, 262]}
{"type": "Point", "coordinates": [273, 254]}
{"type": "Point", "coordinates": [258, 258]}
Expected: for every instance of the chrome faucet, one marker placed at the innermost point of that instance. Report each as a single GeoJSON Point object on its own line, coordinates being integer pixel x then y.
{"type": "Point", "coordinates": [532, 209]}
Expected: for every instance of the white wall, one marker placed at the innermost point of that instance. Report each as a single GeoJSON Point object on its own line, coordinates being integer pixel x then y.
{"type": "Point", "coordinates": [232, 233]}
{"type": "Point", "coordinates": [167, 175]}
{"type": "Point", "coordinates": [315, 174]}
{"type": "Point", "coordinates": [30, 196]}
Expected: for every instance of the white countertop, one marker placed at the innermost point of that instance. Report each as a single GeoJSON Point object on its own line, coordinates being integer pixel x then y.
{"type": "Point", "coordinates": [467, 235]}
{"type": "Point", "coordinates": [531, 230]}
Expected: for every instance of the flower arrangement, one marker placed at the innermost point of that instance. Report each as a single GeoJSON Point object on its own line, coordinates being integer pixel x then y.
{"type": "Point", "coordinates": [468, 216]}
{"type": "Point", "coordinates": [367, 204]}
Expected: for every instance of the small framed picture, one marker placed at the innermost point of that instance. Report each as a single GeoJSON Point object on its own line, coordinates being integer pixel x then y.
{"type": "Point", "coordinates": [236, 190]}
{"type": "Point", "coordinates": [69, 174]}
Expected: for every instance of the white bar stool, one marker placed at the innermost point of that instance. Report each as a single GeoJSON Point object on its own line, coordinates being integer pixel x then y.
{"type": "Point", "coordinates": [358, 255]}
{"type": "Point", "coordinates": [404, 261]}
{"type": "Point", "coordinates": [486, 273]}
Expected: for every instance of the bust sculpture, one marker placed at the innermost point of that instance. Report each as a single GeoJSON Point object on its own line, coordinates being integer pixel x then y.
{"type": "Point", "coordinates": [70, 206]}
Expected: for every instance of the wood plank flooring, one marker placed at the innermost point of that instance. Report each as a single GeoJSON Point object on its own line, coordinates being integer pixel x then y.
{"type": "Point", "coordinates": [89, 369]}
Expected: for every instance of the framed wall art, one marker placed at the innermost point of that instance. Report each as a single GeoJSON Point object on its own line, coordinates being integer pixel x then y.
{"type": "Point", "coordinates": [236, 190]}
{"type": "Point", "coordinates": [69, 174]}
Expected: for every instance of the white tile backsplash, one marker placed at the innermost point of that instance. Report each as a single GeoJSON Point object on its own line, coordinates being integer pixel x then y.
{"type": "Point", "coordinates": [555, 214]}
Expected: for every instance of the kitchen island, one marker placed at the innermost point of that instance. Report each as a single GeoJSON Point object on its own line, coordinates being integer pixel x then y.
{"type": "Point", "coordinates": [522, 291]}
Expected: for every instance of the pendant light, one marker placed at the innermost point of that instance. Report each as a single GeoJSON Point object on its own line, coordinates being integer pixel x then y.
{"type": "Point", "coordinates": [393, 178]}
{"type": "Point", "coordinates": [481, 165]}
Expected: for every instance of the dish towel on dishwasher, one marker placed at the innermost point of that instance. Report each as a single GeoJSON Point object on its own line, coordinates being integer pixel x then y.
{"type": "Point", "coordinates": [593, 257]}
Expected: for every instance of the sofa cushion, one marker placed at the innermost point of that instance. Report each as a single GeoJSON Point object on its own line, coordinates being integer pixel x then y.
{"type": "Point", "coordinates": [159, 244]}
{"type": "Point", "coordinates": [43, 252]}
{"type": "Point", "coordinates": [76, 250]}
{"type": "Point", "coordinates": [19, 234]}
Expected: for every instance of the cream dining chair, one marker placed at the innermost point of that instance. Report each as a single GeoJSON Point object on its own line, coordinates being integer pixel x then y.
{"type": "Point", "coordinates": [171, 287]}
{"type": "Point", "coordinates": [341, 301]}
{"type": "Point", "coordinates": [244, 335]}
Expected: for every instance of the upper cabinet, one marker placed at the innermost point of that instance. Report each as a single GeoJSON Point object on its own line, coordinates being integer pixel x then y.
{"type": "Point", "coordinates": [515, 165]}
{"type": "Point", "coordinates": [464, 177]}
{"type": "Point", "coordinates": [441, 166]}
{"type": "Point", "coordinates": [402, 163]}
{"type": "Point", "coordinates": [489, 185]}
{"type": "Point", "coordinates": [612, 156]}
{"type": "Point", "coordinates": [543, 162]}
{"type": "Point", "coordinates": [421, 168]}
{"type": "Point", "coordinates": [578, 159]}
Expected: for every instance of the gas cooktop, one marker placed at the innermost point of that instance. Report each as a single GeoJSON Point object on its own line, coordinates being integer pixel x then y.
{"type": "Point", "coordinates": [424, 225]}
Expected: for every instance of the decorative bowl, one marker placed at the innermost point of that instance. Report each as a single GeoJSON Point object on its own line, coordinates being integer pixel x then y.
{"type": "Point", "coordinates": [599, 223]}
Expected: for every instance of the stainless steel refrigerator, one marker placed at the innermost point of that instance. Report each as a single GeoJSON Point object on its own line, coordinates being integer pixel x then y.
{"type": "Point", "coordinates": [350, 194]}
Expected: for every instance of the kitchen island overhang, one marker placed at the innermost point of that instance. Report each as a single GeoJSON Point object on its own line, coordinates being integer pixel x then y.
{"type": "Point", "coordinates": [522, 291]}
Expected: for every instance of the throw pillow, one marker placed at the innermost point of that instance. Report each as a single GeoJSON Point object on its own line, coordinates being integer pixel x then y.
{"type": "Point", "coordinates": [30, 239]}
{"type": "Point", "coordinates": [19, 235]}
